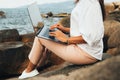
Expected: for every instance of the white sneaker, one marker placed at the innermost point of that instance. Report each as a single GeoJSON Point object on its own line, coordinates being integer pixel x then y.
{"type": "Point", "coordinates": [28, 75]}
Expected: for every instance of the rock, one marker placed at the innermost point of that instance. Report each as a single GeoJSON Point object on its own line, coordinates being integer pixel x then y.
{"type": "Point", "coordinates": [109, 7]}
{"type": "Point", "coordinates": [49, 14]}
{"type": "Point", "coordinates": [61, 15]}
{"type": "Point", "coordinates": [114, 51]}
{"type": "Point", "coordinates": [40, 25]}
{"type": "Point", "coordinates": [117, 5]}
{"type": "Point", "coordinates": [13, 57]}
{"type": "Point", "coordinates": [104, 70]}
{"type": "Point", "coordinates": [114, 39]}
{"type": "Point", "coordinates": [110, 27]}
{"type": "Point", "coordinates": [65, 21]}
{"type": "Point", "coordinates": [2, 14]}
{"type": "Point", "coordinates": [106, 56]}
{"type": "Point", "coordinates": [54, 59]}
{"type": "Point", "coordinates": [114, 43]}
{"type": "Point", "coordinates": [111, 37]}
{"type": "Point", "coordinates": [115, 15]}
{"type": "Point", "coordinates": [27, 37]}
{"type": "Point", "coordinates": [9, 35]}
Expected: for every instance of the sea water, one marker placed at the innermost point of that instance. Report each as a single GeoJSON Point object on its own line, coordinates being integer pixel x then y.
{"type": "Point", "coordinates": [19, 19]}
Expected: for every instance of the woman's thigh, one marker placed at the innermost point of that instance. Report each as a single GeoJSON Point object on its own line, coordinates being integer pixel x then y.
{"type": "Point", "coordinates": [70, 53]}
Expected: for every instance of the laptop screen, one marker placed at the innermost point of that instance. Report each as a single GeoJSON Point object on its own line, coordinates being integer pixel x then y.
{"type": "Point", "coordinates": [34, 13]}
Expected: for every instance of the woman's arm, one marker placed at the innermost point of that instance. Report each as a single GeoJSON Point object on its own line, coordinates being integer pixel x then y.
{"type": "Point", "coordinates": [75, 40]}
{"type": "Point", "coordinates": [64, 38]}
{"type": "Point", "coordinates": [65, 29]}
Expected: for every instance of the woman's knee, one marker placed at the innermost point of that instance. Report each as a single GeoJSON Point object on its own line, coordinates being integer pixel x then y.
{"type": "Point", "coordinates": [43, 41]}
{"type": "Point", "coordinates": [38, 39]}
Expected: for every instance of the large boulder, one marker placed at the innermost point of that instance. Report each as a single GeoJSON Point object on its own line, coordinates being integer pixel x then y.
{"type": "Point", "coordinates": [13, 52]}
{"type": "Point", "coordinates": [13, 57]}
{"type": "Point", "coordinates": [110, 27]}
{"type": "Point", "coordinates": [114, 43]}
{"type": "Point", "coordinates": [104, 70]}
{"type": "Point", "coordinates": [9, 35]}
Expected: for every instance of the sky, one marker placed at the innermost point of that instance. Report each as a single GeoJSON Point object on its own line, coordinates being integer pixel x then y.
{"type": "Point", "coordinates": [18, 3]}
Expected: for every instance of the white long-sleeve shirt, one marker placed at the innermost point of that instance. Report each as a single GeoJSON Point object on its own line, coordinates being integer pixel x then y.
{"type": "Point", "coordinates": [86, 20]}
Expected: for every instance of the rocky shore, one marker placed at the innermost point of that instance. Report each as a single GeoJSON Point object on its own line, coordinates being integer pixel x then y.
{"type": "Point", "coordinates": [15, 48]}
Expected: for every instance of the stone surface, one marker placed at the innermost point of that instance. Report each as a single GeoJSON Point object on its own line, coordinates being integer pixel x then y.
{"type": "Point", "coordinates": [65, 21]}
{"type": "Point", "coordinates": [114, 39]}
{"type": "Point", "coordinates": [114, 43]}
{"type": "Point", "coordinates": [9, 35]}
{"type": "Point", "coordinates": [13, 57]}
{"type": "Point", "coordinates": [115, 15]}
{"type": "Point", "coordinates": [104, 70]}
{"type": "Point", "coordinates": [27, 37]}
{"type": "Point", "coordinates": [112, 6]}
{"type": "Point", "coordinates": [110, 27]}
{"type": "Point", "coordinates": [109, 7]}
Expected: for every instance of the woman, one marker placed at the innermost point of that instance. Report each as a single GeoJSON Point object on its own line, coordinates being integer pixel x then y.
{"type": "Point", "coordinates": [85, 43]}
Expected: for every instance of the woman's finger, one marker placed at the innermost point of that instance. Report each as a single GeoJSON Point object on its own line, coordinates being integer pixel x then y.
{"type": "Point", "coordinates": [54, 26]}
{"type": "Point", "coordinates": [52, 33]}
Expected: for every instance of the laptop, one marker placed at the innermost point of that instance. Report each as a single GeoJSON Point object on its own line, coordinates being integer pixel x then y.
{"type": "Point", "coordinates": [35, 17]}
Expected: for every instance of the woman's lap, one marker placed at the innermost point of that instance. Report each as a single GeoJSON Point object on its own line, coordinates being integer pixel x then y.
{"type": "Point", "coordinates": [70, 53]}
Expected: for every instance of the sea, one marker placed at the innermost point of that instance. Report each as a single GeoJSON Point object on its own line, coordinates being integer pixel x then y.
{"type": "Point", "coordinates": [18, 18]}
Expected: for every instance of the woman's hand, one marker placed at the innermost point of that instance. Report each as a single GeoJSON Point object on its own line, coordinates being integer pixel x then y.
{"type": "Point", "coordinates": [58, 26]}
{"type": "Point", "coordinates": [59, 35]}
